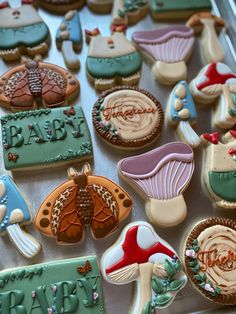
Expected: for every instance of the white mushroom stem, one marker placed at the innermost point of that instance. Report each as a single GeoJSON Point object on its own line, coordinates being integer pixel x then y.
{"type": "Point", "coordinates": [25, 243]}
{"type": "Point", "coordinates": [169, 73]}
{"type": "Point", "coordinates": [212, 49]}
{"type": "Point", "coordinates": [187, 134]}
{"type": "Point", "coordinates": [70, 57]}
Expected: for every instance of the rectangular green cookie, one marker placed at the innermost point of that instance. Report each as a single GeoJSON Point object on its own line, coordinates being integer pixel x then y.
{"type": "Point", "coordinates": [41, 138]}
{"type": "Point", "coordinates": [174, 5]}
{"type": "Point", "coordinates": [68, 286]}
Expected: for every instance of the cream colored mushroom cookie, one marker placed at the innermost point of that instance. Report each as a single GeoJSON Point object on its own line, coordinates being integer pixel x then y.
{"type": "Point", "coordinates": [141, 256]}
{"type": "Point", "coordinates": [14, 213]}
{"type": "Point", "coordinates": [217, 83]}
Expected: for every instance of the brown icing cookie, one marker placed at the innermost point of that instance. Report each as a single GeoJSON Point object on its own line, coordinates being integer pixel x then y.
{"type": "Point", "coordinates": [83, 200]}
{"type": "Point", "coordinates": [128, 117]}
{"type": "Point", "coordinates": [61, 6]}
{"type": "Point", "coordinates": [210, 259]}
{"type": "Point", "coordinates": [37, 84]}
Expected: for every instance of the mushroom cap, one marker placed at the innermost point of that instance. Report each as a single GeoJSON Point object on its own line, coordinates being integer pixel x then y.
{"type": "Point", "coordinates": [137, 244]}
{"type": "Point", "coordinates": [195, 21]}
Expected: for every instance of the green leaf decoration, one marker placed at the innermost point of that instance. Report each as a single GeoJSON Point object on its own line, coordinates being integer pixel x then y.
{"type": "Point", "coordinates": [196, 248]}
{"type": "Point", "coordinates": [147, 309]}
{"type": "Point", "coordinates": [177, 266]}
{"type": "Point", "coordinates": [169, 268]}
{"type": "Point", "coordinates": [177, 284]}
{"type": "Point", "coordinates": [196, 269]}
{"type": "Point", "coordinates": [202, 285]}
{"type": "Point", "coordinates": [121, 13]}
{"type": "Point", "coordinates": [193, 263]}
{"type": "Point", "coordinates": [204, 277]}
{"type": "Point", "coordinates": [157, 285]}
{"type": "Point", "coordinates": [217, 290]}
{"type": "Point", "coordinates": [163, 299]}
{"type": "Point", "coordinates": [198, 277]}
{"type": "Point", "coordinates": [195, 242]}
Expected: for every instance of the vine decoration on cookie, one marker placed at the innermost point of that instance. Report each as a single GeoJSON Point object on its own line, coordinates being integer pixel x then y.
{"type": "Point", "coordinates": [192, 254]}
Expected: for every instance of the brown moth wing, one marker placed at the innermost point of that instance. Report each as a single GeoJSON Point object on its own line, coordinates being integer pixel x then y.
{"type": "Point", "coordinates": [70, 228]}
{"type": "Point", "coordinates": [105, 220]}
{"type": "Point", "coordinates": [122, 198]}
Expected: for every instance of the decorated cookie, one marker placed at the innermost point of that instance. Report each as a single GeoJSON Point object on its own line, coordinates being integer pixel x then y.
{"type": "Point", "coordinates": [100, 6]}
{"type": "Point", "coordinates": [167, 49]}
{"type": "Point", "coordinates": [175, 10]}
{"type": "Point", "coordinates": [37, 84]}
{"type": "Point", "coordinates": [61, 6]}
{"type": "Point", "coordinates": [161, 176]}
{"type": "Point", "coordinates": [126, 12]}
{"type": "Point", "coordinates": [40, 138]}
{"type": "Point", "coordinates": [182, 113]}
{"type": "Point", "coordinates": [140, 255]}
{"type": "Point", "coordinates": [216, 82]}
{"type": "Point", "coordinates": [219, 168]}
{"type": "Point", "coordinates": [83, 200]}
{"type": "Point", "coordinates": [22, 31]}
{"type": "Point", "coordinates": [15, 213]}
{"type": "Point", "coordinates": [210, 259]}
{"type": "Point", "coordinates": [66, 286]}
{"type": "Point", "coordinates": [69, 39]}
{"type": "Point", "coordinates": [208, 25]}
{"type": "Point", "coordinates": [128, 117]}
{"type": "Point", "coordinates": [112, 61]}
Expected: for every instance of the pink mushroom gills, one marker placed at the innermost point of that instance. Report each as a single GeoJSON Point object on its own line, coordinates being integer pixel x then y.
{"type": "Point", "coordinates": [141, 255]}
{"type": "Point", "coordinates": [216, 81]}
{"type": "Point", "coordinates": [161, 175]}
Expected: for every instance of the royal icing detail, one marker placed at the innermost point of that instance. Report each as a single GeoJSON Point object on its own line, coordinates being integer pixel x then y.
{"type": "Point", "coordinates": [55, 287]}
{"type": "Point", "coordinates": [37, 84]}
{"type": "Point", "coordinates": [112, 61]}
{"type": "Point", "coordinates": [38, 138]}
{"type": "Point", "coordinates": [182, 113]}
{"type": "Point", "coordinates": [22, 30]}
{"type": "Point", "coordinates": [140, 255]}
{"type": "Point", "coordinates": [217, 82]}
{"type": "Point", "coordinates": [14, 213]}
{"type": "Point", "coordinates": [83, 200]}
{"type": "Point", "coordinates": [69, 39]}
{"type": "Point", "coordinates": [128, 118]}
{"type": "Point", "coordinates": [161, 175]}
{"type": "Point", "coordinates": [168, 48]}
{"type": "Point", "coordinates": [210, 257]}
{"type": "Point", "coordinates": [219, 171]}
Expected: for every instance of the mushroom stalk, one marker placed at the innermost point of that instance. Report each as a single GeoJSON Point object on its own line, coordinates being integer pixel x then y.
{"type": "Point", "coordinates": [69, 55]}
{"type": "Point", "coordinates": [187, 134]}
{"type": "Point", "coordinates": [144, 287]}
{"type": "Point", "coordinates": [212, 49]}
{"type": "Point", "coordinates": [171, 72]}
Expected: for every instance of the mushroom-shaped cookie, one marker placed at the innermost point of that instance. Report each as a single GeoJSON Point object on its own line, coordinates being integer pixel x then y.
{"type": "Point", "coordinates": [216, 81]}
{"type": "Point", "coordinates": [14, 212]}
{"type": "Point", "coordinates": [141, 255]}
{"type": "Point", "coordinates": [182, 113]}
{"type": "Point", "coordinates": [168, 49]}
{"type": "Point", "coordinates": [208, 25]}
{"type": "Point", "coordinates": [160, 176]}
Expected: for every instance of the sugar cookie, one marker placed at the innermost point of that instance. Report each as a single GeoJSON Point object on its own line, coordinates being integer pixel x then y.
{"type": "Point", "coordinates": [100, 6]}
{"type": "Point", "coordinates": [61, 6]}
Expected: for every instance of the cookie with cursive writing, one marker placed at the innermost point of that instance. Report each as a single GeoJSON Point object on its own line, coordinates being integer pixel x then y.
{"type": "Point", "coordinates": [39, 138]}
{"type": "Point", "coordinates": [210, 259]}
{"type": "Point", "coordinates": [128, 117]}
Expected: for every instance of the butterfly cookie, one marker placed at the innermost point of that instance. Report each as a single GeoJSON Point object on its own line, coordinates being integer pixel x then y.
{"type": "Point", "coordinates": [37, 84]}
{"type": "Point", "coordinates": [83, 200]}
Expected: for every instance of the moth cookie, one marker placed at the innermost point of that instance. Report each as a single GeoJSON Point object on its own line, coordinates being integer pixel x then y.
{"type": "Point", "coordinates": [177, 10]}
{"type": "Point", "coordinates": [161, 176]}
{"type": "Point", "coordinates": [181, 112]}
{"type": "Point", "coordinates": [128, 117]}
{"type": "Point", "coordinates": [22, 31]}
{"type": "Point", "coordinates": [210, 259]}
{"type": "Point", "coordinates": [61, 6]}
{"type": "Point", "coordinates": [44, 138]}
{"type": "Point", "coordinates": [65, 286]}
{"type": "Point", "coordinates": [69, 39]}
{"type": "Point", "coordinates": [208, 25]}
{"type": "Point", "coordinates": [219, 168]}
{"type": "Point", "coordinates": [83, 200]}
{"type": "Point", "coordinates": [141, 256]}
{"type": "Point", "coordinates": [37, 84]}
{"type": "Point", "coordinates": [15, 213]}
{"type": "Point", "coordinates": [217, 83]}
{"type": "Point", "coordinates": [127, 12]}
{"type": "Point", "coordinates": [100, 6]}
{"type": "Point", "coordinates": [167, 49]}
{"type": "Point", "coordinates": [112, 61]}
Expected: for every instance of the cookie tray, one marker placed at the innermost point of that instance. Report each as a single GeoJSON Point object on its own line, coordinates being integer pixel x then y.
{"type": "Point", "coordinates": [37, 184]}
